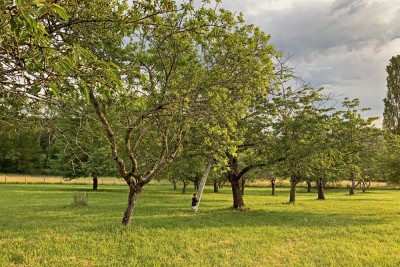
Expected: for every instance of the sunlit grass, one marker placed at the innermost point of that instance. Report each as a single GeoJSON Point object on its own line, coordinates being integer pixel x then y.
{"type": "Point", "coordinates": [39, 227]}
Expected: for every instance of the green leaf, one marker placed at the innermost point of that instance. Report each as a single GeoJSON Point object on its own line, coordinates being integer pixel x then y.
{"type": "Point", "coordinates": [39, 3]}
{"type": "Point", "coordinates": [42, 11]}
{"type": "Point", "coordinates": [60, 11]}
{"type": "Point", "coordinates": [13, 24]}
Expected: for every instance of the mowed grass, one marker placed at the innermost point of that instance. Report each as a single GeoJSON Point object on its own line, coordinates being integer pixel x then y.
{"type": "Point", "coordinates": [39, 227]}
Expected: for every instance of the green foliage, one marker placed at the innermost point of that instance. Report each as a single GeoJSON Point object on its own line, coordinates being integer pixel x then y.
{"type": "Point", "coordinates": [388, 159]}
{"type": "Point", "coordinates": [41, 56]}
{"type": "Point", "coordinates": [301, 127]}
{"type": "Point", "coordinates": [354, 139]}
{"type": "Point", "coordinates": [391, 115]}
{"type": "Point", "coordinates": [80, 149]}
{"type": "Point", "coordinates": [20, 148]}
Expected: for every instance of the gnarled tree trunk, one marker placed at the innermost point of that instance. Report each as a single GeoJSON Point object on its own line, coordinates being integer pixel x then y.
{"type": "Point", "coordinates": [238, 202]}
{"type": "Point", "coordinates": [133, 191]}
{"type": "Point", "coordinates": [234, 177]}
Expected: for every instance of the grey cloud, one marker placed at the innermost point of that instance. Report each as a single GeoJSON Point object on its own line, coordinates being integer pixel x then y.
{"type": "Point", "coordinates": [349, 7]}
{"type": "Point", "coordinates": [343, 45]}
{"type": "Point", "coordinates": [309, 28]}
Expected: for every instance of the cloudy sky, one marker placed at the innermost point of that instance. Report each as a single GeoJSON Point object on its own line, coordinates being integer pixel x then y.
{"type": "Point", "coordinates": [342, 45]}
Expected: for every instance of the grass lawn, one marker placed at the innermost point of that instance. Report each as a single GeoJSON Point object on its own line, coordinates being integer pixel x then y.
{"type": "Point", "coordinates": [39, 227]}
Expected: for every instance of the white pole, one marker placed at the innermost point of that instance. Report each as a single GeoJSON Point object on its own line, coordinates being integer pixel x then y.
{"type": "Point", "coordinates": [202, 185]}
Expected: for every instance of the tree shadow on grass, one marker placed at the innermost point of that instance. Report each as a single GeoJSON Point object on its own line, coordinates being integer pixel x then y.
{"type": "Point", "coordinates": [254, 218]}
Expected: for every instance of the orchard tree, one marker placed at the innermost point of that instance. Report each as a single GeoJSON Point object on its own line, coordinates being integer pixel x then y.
{"type": "Point", "coordinates": [321, 166]}
{"type": "Point", "coordinates": [238, 68]}
{"type": "Point", "coordinates": [182, 66]}
{"type": "Point", "coordinates": [300, 129]}
{"type": "Point", "coordinates": [391, 115]}
{"type": "Point", "coordinates": [187, 169]}
{"type": "Point", "coordinates": [58, 53]}
{"type": "Point", "coordinates": [352, 134]}
{"type": "Point", "coordinates": [145, 123]}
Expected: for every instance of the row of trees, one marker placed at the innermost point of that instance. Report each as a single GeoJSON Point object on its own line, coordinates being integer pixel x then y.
{"type": "Point", "coordinates": [154, 89]}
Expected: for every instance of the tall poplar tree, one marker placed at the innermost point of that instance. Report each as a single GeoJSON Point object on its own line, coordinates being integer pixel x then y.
{"type": "Point", "coordinates": [391, 115]}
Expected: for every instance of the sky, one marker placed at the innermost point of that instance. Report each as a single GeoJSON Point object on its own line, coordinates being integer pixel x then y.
{"type": "Point", "coordinates": [341, 45]}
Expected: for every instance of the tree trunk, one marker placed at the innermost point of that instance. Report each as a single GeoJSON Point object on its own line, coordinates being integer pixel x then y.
{"type": "Point", "coordinates": [184, 187]}
{"type": "Point", "coordinates": [365, 185]}
{"type": "Point", "coordinates": [216, 187]}
{"type": "Point", "coordinates": [95, 183]}
{"type": "Point", "coordinates": [50, 141]}
{"type": "Point", "coordinates": [293, 184]}
{"type": "Point", "coordinates": [243, 184]}
{"type": "Point", "coordinates": [352, 187]}
{"type": "Point", "coordinates": [321, 193]}
{"type": "Point", "coordinates": [238, 202]}
{"type": "Point", "coordinates": [308, 186]}
{"type": "Point", "coordinates": [273, 186]}
{"type": "Point", "coordinates": [131, 205]}
{"type": "Point", "coordinates": [174, 183]}
{"type": "Point", "coordinates": [196, 183]}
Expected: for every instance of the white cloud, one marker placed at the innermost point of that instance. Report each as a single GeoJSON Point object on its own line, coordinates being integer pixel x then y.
{"type": "Point", "coordinates": [339, 44]}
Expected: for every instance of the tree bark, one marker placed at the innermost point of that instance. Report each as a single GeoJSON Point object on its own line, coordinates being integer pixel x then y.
{"type": "Point", "coordinates": [365, 185]}
{"type": "Point", "coordinates": [174, 183]}
{"type": "Point", "coordinates": [216, 187]}
{"type": "Point", "coordinates": [131, 205]}
{"type": "Point", "coordinates": [273, 186]}
{"type": "Point", "coordinates": [196, 183]}
{"type": "Point", "coordinates": [95, 183]}
{"type": "Point", "coordinates": [321, 193]}
{"type": "Point", "coordinates": [308, 186]}
{"type": "Point", "coordinates": [238, 202]}
{"type": "Point", "coordinates": [352, 187]}
{"type": "Point", "coordinates": [243, 184]}
{"type": "Point", "coordinates": [293, 184]}
{"type": "Point", "coordinates": [185, 183]}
